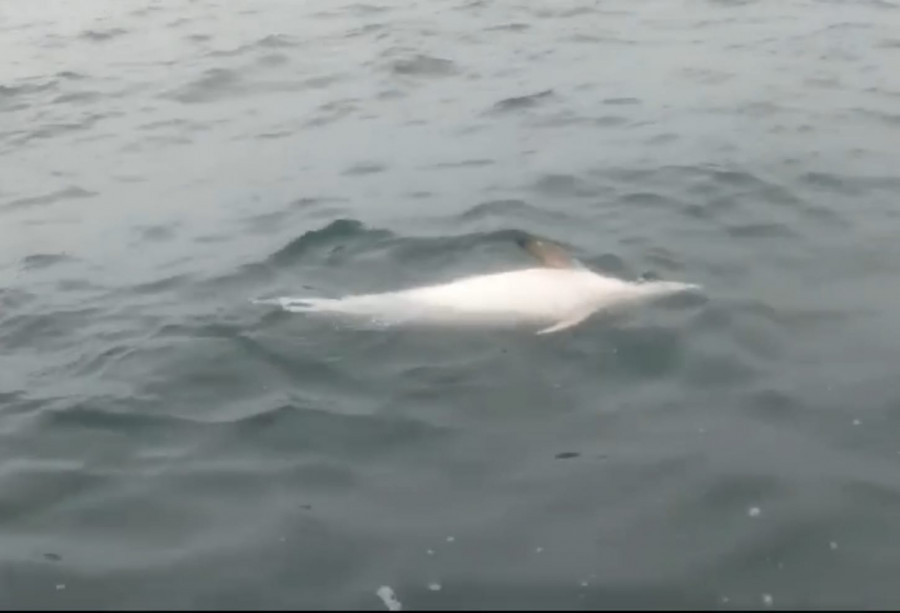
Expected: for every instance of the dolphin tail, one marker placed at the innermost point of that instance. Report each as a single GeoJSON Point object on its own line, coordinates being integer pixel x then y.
{"type": "Point", "coordinates": [667, 288]}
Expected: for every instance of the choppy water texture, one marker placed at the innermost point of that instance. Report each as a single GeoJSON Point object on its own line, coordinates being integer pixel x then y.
{"type": "Point", "coordinates": [166, 443]}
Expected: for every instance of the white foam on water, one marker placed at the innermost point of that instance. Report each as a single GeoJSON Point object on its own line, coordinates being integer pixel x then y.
{"type": "Point", "coordinates": [389, 599]}
{"type": "Point", "coordinates": [833, 545]}
{"type": "Point", "coordinates": [767, 600]}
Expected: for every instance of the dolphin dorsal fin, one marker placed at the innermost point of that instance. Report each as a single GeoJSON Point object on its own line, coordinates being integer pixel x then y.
{"type": "Point", "coordinates": [548, 254]}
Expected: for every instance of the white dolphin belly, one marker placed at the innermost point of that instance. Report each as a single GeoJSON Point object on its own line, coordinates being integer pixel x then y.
{"type": "Point", "coordinates": [537, 294]}
{"type": "Point", "coordinates": [559, 295]}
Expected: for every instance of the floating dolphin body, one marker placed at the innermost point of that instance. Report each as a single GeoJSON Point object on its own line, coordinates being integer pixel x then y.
{"type": "Point", "coordinates": [559, 294]}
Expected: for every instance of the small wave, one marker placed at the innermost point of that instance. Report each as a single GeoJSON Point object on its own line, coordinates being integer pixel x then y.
{"type": "Point", "coordinates": [218, 84]}
{"type": "Point", "coordinates": [772, 404]}
{"type": "Point", "coordinates": [157, 233]}
{"type": "Point", "coordinates": [424, 65]}
{"type": "Point", "coordinates": [760, 230]}
{"type": "Point", "coordinates": [13, 298]}
{"type": "Point", "coordinates": [509, 27]}
{"type": "Point", "coordinates": [103, 35]}
{"type": "Point", "coordinates": [718, 369]}
{"type": "Point", "coordinates": [161, 285]}
{"type": "Point", "coordinates": [32, 86]}
{"type": "Point", "coordinates": [214, 84]}
{"type": "Point", "coordinates": [349, 236]}
{"type": "Point", "coordinates": [476, 163]}
{"type": "Point", "coordinates": [505, 210]}
{"type": "Point", "coordinates": [331, 112]}
{"type": "Point", "coordinates": [621, 101]}
{"type": "Point", "coordinates": [78, 98]}
{"type": "Point", "coordinates": [69, 193]}
{"type": "Point", "coordinates": [104, 413]}
{"type": "Point", "coordinates": [364, 168]}
{"type": "Point", "coordinates": [277, 41]}
{"type": "Point", "coordinates": [96, 362]}
{"type": "Point", "coordinates": [333, 235]}
{"type": "Point", "coordinates": [522, 102]}
{"type": "Point", "coordinates": [345, 242]}
{"type": "Point", "coordinates": [40, 261]}
{"type": "Point", "coordinates": [561, 185]}
{"type": "Point", "coordinates": [266, 222]}
{"type": "Point", "coordinates": [33, 330]}
{"type": "Point", "coordinates": [269, 42]}
{"type": "Point", "coordinates": [576, 11]}
{"type": "Point", "coordinates": [362, 8]}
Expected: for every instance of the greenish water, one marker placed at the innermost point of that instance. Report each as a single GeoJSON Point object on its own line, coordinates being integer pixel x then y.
{"type": "Point", "coordinates": [166, 443]}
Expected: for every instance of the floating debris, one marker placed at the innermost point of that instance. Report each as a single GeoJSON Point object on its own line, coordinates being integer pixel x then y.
{"type": "Point", "coordinates": [833, 545]}
{"type": "Point", "coordinates": [450, 539]}
{"type": "Point", "coordinates": [767, 600]}
{"type": "Point", "coordinates": [566, 455]}
{"type": "Point", "coordinates": [754, 512]}
{"type": "Point", "coordinates": [434, 587]}
{"type": "Point", "coordinates": [387, 597]}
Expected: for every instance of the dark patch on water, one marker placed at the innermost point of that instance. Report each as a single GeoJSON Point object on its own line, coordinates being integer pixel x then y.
{"type": "Point", "coordinates": [363, 8]}
{"type": "Point", "coordinates": [464, 164]}
{"type": "Point", "coordinates": [564, 185]}
{"type": "Point", "coordinates": [69, 193]}
{"type": "Point", "coordinates": [215, 83]}
{"type": "Point", "coordinates": [157, 233]}
{"type": "Point", "coordinates": [522, 102]}
{"type": "Point", "coordinates": [567, 455]}
{"type": "Point", "coordinates": [760, 230]}
{"type": "Point", "coordinates": [271, 41]}
{"type": "Point", "coordinates": [100, 36]}
{"type": "Point", "coordinates": [509, 27]}
{"type": "Point", "coordinates": [365, 168]}
{"type": "Point", "coordinates": [424, 66]}
{"type": "Point", "coordinates": [44, 260]}
{"type": "Point", "coordinates": [621, 101]}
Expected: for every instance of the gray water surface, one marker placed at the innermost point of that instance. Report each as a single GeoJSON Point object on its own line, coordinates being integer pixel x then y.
{"type": "Point", "coordinates": [166, 443]}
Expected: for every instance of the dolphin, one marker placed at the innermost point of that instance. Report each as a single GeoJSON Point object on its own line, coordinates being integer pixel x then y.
{"type": "Point", "coordinates": [558, 294]}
